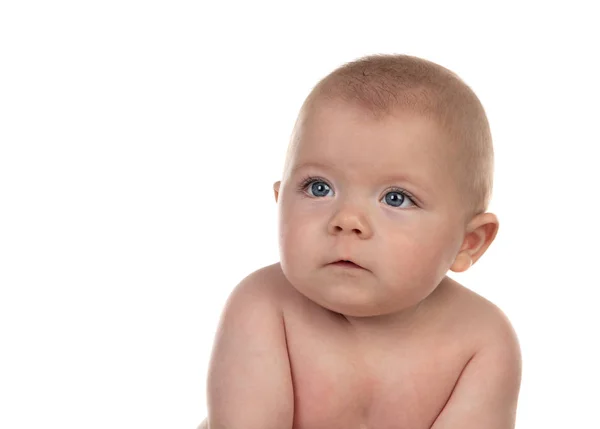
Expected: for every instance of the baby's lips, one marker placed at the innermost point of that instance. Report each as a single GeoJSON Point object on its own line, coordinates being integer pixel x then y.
{"type": "Point", "coordinates": [347, 260]}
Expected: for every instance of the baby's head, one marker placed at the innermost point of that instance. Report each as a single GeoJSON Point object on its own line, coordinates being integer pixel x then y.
{"type": "Point", "coordinates": [390, 166]}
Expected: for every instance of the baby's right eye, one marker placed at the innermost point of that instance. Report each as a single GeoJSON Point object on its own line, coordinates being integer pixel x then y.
{"type": "Point", "coordinates": [315, 187]}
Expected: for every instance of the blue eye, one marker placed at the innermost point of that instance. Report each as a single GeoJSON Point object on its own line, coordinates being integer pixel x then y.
{"type": "Point", "coordinates": [396, 198]}
{"type": "Point", "coordinates": [319, 189]}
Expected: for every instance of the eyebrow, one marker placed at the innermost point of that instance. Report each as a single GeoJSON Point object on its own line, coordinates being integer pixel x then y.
{"type": "Point", "coordinates": [384, 178]}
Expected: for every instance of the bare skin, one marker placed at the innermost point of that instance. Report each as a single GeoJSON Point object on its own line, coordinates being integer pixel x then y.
{"type": "Point", "coordinates": [341, 380]}
{"type": "Point", "coordinates": [389, 342]}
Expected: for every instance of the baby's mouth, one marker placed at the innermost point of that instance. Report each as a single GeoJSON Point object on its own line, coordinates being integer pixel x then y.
{"type": "Point", "coordinates": [346, 264]}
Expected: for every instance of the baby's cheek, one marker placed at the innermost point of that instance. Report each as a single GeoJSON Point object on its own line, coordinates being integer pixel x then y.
{"type": "Point", "coordinates": [295, 247]}
{"type": "Point", "coordinates": [408, 261]}
{"type": "Point", "coordinates": [399, 249]}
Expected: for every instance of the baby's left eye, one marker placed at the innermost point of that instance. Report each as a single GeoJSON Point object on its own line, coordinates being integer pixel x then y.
{"type": "Point", "coordinates": [397, 199]}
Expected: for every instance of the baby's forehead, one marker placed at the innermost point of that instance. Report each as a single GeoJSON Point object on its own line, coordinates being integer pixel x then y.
{"type": "Point", "coordinates": [373, 145]}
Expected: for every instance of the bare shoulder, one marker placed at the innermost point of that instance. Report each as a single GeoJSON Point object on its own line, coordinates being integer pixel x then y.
{"type": "Point", "coordinates": [263, 285]}
{"type": "Point", "coordinates": [274, 286]}
{"type": "Point", "coordinates": [482, 319]}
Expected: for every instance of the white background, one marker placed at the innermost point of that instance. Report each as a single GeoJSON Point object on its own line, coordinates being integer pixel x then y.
{"type": "Point", "coordinates": [139, 142]}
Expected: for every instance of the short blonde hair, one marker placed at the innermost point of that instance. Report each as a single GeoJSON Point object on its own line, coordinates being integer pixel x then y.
{"type": "Point", "coordinates": [382, 84]}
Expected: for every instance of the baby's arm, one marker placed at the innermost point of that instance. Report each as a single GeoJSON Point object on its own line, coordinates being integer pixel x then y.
{"type": "Point", "coordinates": [487, 391]}
{"type": "Point", "coordinates": [249, 383]}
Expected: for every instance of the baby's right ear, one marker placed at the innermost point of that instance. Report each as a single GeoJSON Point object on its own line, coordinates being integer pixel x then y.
{"type": "Point", "coordinates": [276, 189]}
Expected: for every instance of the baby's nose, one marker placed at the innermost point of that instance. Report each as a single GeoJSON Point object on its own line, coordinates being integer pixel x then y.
{"type": "Point", "coordinates": [349, 222]}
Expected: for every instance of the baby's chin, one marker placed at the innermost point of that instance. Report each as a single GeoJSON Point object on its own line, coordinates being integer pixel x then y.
{"type": "Point", "coordinates": [350, 298]}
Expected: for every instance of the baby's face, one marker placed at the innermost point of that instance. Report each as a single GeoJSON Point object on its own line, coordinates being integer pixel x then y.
{"type": "Point", "coordinates": [378, 192]}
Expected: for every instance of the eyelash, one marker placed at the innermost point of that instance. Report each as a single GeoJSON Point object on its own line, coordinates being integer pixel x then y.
{"type": "Point", "coordinates": [310, 179]}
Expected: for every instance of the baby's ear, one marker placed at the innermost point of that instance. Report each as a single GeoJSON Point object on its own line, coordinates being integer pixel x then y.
{"type": "Point", "coordinates": [276, 189]}
{"type": "Point", "coordinates": [481, 231]}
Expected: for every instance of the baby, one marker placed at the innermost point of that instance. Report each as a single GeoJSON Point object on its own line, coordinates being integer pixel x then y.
{"type": "Point", "coordinates": [385, 188]}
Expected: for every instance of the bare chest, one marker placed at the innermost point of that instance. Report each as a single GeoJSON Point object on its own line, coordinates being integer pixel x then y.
{"type": "Point", "coordinates": [337, 384]}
